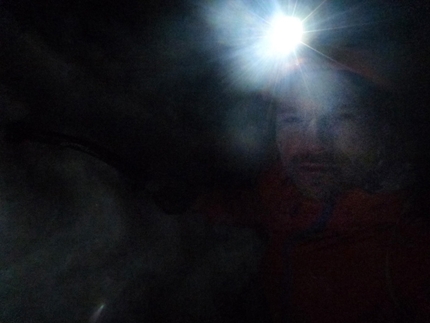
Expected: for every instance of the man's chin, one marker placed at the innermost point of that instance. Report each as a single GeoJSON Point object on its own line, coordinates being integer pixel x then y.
{"type": "Point", "coordinates": [319, 188]}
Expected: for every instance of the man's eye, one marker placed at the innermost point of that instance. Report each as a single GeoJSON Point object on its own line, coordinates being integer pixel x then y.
{"type": "Point", "coordinates": [290, 120]}
{"type": "Point", "coordinates": [345, 116]}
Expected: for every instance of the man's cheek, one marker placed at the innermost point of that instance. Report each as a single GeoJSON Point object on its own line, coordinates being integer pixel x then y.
{"type": "Point", "coordinates": [351, 144]}
{"type": "Point", "coordinates": [286, 155]}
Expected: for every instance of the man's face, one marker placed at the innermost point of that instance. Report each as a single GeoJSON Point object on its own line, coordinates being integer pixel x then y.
{"type": "Point", "coordinates": [325, 135]}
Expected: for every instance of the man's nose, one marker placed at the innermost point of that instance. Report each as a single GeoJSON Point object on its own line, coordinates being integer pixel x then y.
{"type": "Point", "coordinates": [318, 135]}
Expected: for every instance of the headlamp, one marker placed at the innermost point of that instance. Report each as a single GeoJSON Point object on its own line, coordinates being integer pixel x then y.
{"type": "Point", "coordinates": [259, 40]}
{"type": "Point", "coordinates": [266, 42]}
{"type": "Point", "coordinates": [283, 35]}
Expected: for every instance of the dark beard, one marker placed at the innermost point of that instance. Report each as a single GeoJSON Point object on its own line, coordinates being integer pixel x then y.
{"type": "Point", "coordinates": [329, 174]}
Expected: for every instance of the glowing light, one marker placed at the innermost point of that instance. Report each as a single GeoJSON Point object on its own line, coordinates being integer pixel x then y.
{"type": "Point", "coordinates": [97, 313]}
{"type": "Point", "coordinates": [284, 34]}
{"type": "Point", "coordinates": [263, 43]}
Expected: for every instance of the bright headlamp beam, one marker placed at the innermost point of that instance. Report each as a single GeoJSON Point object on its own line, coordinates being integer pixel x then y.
{"type": "Point", "coordinates": [284, 34]}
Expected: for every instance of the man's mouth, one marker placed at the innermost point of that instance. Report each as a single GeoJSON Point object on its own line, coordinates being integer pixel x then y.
{"type": "Point", "coordinates": [312, 167]}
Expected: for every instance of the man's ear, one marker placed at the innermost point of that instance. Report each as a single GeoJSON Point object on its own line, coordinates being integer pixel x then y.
{"type": "Point", "coordinates": [385, 140]}
{"type": "Point", "coordinates": [11, 110]}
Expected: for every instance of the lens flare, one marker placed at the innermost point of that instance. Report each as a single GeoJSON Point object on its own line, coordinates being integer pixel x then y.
{"type": "Point", "coordinates": [262, 42]}
{"type": "Point", "coordinates": [283, 35]}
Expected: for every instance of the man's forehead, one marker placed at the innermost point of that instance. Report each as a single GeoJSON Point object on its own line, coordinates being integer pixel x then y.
{"type": "Point", "coordinates": [325, 90]}
{"type": "Point", "coordinates": [321, 104]}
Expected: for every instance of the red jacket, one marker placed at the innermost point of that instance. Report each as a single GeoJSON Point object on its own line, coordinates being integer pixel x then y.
{"type": "Point", "coordinates": [364, 258]}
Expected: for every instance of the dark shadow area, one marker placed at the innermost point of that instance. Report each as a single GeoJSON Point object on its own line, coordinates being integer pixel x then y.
{"type": "Point", "coordinates": [116, 117]}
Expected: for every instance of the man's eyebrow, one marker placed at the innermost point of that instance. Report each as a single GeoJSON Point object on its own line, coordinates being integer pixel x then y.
{"type": "Point", "coordinates": [346, 107]}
